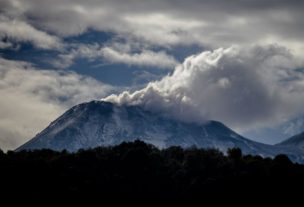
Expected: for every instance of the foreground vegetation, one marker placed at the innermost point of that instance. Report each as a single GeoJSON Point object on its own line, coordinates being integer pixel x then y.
{"type": "Point", "coordinates": [137, 171]}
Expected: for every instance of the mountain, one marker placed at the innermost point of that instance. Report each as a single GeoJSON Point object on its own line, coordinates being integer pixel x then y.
{"type": "Point", "coordinates": [99, 123]}
{"type": "Point", "coordinates": [296, 141]}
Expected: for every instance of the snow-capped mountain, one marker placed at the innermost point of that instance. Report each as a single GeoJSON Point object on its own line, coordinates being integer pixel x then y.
{"type": "Point", "coordinates": [296, 141]}
{"type": "Point", "coordinates": [99, 123]}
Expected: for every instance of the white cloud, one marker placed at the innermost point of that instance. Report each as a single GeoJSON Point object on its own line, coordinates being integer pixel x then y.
{"type": "Point", "coordinates": [117, 53]}
{"type": "Point", "coordinates": [19, 31]}
{"type": "Point", "coordinates": [242, 87]}
{"type": "Point", "coordinates": [31, 99]}
{"type": "Point", "coordinates": [293, 127]}
{"type": "Point", "coordinates": [209, 23]}
{"type": "Point", "coordinates": [144, 58]}
{"type": "Point", "coordinates": [4, 45]}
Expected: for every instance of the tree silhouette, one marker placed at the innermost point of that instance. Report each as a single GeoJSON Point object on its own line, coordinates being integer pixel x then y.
{"type": "Point", "coordinates": [136, 170]}
{"type": "Point", "coordinates": [234, 153]}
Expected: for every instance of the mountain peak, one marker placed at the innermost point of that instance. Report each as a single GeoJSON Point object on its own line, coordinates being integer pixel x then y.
{"type": "Point", "coordinates": [100, 123]}
{"type": "Point", "coordinates": [295, 141]}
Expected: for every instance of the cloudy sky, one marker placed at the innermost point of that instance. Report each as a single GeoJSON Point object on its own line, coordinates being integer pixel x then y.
{"type": "Point", "coordinates": [240, 62]}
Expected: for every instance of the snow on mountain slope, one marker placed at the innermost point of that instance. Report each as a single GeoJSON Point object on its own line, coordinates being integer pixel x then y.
{"type": "Point", "coordinates": [99, 123]}
{"type": "Point", "coordinates": [296, 141]}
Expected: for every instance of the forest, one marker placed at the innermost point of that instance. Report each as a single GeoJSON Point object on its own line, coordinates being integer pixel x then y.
{"type": "Point", "coordinates": [134, 171]}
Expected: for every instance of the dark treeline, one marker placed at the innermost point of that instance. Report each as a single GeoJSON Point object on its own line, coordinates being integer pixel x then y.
{"type": "Point", "coordinates": [136, 171]}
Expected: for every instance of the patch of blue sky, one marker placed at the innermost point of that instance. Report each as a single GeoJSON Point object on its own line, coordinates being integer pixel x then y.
{"type": "Point", "coordinates": [114, 74]}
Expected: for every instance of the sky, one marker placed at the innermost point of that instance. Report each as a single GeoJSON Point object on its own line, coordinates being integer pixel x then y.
{"type": "Point", "coordinates": [239, 62]}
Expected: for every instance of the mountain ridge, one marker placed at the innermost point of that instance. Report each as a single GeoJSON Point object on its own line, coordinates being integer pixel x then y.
{"type": "Point", "coordinates": [294, 141]}
{"type": "Point", "coordinates": [99, 123]}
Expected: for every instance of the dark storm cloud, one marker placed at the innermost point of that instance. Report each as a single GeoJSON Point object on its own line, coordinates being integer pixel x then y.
{"type": "Point", "coordinates": [213, 23]}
